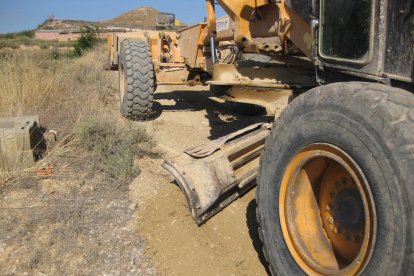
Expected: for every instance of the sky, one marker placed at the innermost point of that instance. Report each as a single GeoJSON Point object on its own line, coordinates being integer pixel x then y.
{"type": "Point", "coordinates": [19, 15]}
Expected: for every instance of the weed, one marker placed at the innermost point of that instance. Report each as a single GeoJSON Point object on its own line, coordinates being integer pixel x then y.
{"type": "Point", "coordinates": [114, 146]}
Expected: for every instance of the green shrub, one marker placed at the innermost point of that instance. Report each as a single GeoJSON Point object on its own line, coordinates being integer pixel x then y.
{"type": "Point", "coordinates": [23, 34]}
{"type": "Point", "coordinates": [88, 40]}
{"type": "Point", "coordinates": [114, 147]}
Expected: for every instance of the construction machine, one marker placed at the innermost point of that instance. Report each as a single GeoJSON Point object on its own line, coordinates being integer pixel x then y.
{"type": "Point", "coordinates": [335, 168]}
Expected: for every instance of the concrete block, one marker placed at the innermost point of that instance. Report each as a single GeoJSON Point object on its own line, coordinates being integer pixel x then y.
{"type": "Point", "coordinates": [21, 141]}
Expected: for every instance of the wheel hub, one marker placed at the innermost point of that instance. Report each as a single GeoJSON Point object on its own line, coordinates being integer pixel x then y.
{"type": "Point", "coordinates": [348, 209]}
{"type": "Point", "coordinates": [327, 212]}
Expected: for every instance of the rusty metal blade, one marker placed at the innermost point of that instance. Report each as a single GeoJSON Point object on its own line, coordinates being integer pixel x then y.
{"type": "Point", "coordinates": [209, 148]}
{"type": "Point", "coordinates": [213, 181]}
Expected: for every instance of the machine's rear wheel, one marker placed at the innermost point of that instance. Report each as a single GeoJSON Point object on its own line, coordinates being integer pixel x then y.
{"type": "Point", "coordinates": [136, 79]}
{"type": "Point", "coordinates": [336, 183]}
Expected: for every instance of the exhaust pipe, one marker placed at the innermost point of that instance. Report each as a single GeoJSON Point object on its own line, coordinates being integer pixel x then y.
{"type": "Point", "coordinates": [215, 174]}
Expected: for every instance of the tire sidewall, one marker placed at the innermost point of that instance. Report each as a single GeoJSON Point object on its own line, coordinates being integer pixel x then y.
{"type": "Point", "coordinates": [122, 80]}
{"type": "Point", "coordinates": [367, 148]}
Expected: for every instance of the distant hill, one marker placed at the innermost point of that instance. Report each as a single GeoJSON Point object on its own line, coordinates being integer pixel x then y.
{"type": "Point", "coordinates": [140, 18]}
{"type": "Point", "coordinates": [53, 24]}
{"type": "Point", "coordinates": [144, 17]}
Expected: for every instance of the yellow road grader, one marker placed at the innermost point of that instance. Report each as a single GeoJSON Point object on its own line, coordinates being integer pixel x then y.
{"type": "Point", "coordinates": [335, 169]}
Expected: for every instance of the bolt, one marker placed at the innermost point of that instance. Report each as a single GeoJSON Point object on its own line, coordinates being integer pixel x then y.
{"type": "Point", "coordinates": [336, 230]}
{"type": "Point", "coordinates": [327, 208]}
{"type": "Point", "coordinates": [331, 220]}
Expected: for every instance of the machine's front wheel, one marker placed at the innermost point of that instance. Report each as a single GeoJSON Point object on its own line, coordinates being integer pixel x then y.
{"type": "Point", "coordinates": [136, 79]}
{"type": "Point", "coordinates": [336, 183]}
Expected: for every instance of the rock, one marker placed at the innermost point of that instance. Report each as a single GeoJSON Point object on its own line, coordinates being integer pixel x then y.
{"type": "Point", "coordinates": [132, 207]}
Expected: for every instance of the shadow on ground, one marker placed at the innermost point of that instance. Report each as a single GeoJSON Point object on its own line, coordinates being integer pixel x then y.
{"type": "Point", "coordinates": [253, 225]}
{"type": "Point", "coordinates": [222, 119]}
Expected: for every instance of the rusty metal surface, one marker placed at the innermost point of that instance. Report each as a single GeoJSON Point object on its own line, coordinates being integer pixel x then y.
{"type": "Point", "coordinates": [270, 87]}
{"type": "Point", "coordinates": [205, 150]}
{"type": "Point", "coordinates": [276, 76]}
{"type": "Point", "coordinates": [263, 18]}
{"type": "Point", "coordinates": [188, 42]}
{"type": "Point", "coordinates": [211, 178]}
{"type": "Point", "coordinates": [242, 12]}
{"type": "Point", "coordinates": [171, 75]}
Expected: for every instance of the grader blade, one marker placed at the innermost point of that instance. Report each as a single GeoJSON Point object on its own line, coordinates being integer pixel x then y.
{"type": "Point", "coordinates": [213, 175]}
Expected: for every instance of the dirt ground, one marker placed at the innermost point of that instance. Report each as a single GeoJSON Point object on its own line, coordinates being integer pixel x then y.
{"type": "Point", "coordinates": [86, 225]}
{"type": "Point", "coordinates": [228, 244]}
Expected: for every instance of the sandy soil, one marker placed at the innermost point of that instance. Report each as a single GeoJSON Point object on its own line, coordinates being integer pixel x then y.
{"type": "Point", "coordinates": [228, 244]}
{"type": "Point", "coordinates": [87, 225]}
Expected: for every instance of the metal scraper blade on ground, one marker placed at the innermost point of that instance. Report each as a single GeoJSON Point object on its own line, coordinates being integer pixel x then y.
{"type": "Point", "coordinates": [213, 175]}
{"type": "Point", "coordinates": [207, 149]}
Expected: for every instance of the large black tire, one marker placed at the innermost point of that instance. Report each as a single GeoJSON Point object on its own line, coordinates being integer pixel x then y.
{"type": "Point", "coordinates": [136, 80]}
{"type": "Point", "coordinates": [373, 125]}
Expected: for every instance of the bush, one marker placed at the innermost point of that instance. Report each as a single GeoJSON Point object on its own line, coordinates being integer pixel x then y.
{"type": "Point", "coordinates": [23, 34]}
{"type": "Point", "coordinates": [114, 147]}
{"type": "Point", "coordinates": [88, 40]}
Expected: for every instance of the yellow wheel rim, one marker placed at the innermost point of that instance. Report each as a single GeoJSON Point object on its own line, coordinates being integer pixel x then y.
{"type": "Point", "coordinates": [327, 212]}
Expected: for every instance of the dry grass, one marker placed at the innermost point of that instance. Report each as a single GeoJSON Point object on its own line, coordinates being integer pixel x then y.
{"type": "Point", "coordinates": [32, 82]}
{"type": "Point", "coordinates": [21, 42]}
{"type": "Point", "coordinates": [71, 96]}
{"type": "Point", "coordinates": [61, 91]}
{"type": "Point", "coordinates": [76, 221]}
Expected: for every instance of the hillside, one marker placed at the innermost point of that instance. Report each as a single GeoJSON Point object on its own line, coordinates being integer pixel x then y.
{"type": "Point", "coordinates": [142, 17]}
{"type": "Point", "coordinates": [53, 24]}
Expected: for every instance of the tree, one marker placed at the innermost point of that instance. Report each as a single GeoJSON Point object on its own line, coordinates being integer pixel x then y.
{"type": "Point", "coordinates": [88, 39]}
